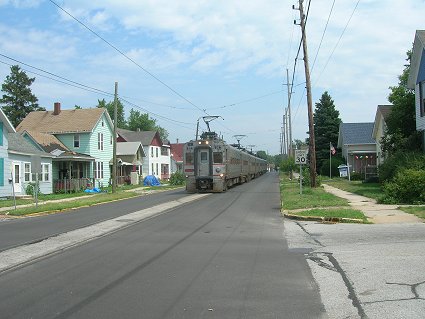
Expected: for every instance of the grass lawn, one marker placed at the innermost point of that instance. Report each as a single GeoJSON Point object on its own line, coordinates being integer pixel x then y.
{"type": "Point", "coordinates": [315, 198]}
{"type": "Point", "coordinates": [418, 211]}
{"type": "Point", "coordinates": [310, 198]}
{"type": "Point", "coordinates": [371, 190]}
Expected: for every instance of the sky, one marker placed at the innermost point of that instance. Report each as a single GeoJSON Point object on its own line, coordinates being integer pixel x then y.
{"type": "Point", "coordinates": [182, 60]}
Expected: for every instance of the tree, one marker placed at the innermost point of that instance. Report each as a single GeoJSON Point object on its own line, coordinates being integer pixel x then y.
{"type": "Point", "coordinates": [18, 101]}
{"type": "Point", "coordinates": [141, 121]}
{"type": "Point", "coordinates": [401, 134]}
{"type": "Point", "coordinates": [121, 123]}
{"type": "Point", "coordinates": [326, 127]}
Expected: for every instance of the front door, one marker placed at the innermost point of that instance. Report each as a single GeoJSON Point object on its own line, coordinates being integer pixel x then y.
{"type": "Point", "coordinates": [17, 177]}
{"type": "Point", "coordinates": [203, 162]}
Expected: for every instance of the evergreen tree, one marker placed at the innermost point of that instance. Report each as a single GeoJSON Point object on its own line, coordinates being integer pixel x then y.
{"type": "Point", "coordinates": [401, 134]}
{"type": "Point", "coordinates": [326, 128]}
{"type": "Point", "coordinates": [18, 101]}
{"type": "Point", "coordinates": [121, 123]}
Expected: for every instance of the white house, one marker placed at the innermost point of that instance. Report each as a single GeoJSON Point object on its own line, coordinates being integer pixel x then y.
{"type": "Point", "coordinates": [417, 80]}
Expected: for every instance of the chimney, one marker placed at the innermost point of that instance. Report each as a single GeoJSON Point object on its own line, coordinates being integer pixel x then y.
{"type": "Point", "coordinates": [56, 108]}
{"type": "Point", "coordinates": [177, 141]}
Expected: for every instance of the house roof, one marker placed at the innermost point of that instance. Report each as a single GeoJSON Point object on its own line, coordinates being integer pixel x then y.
{"type": "Point", "coordinates": [145, 137]}
{"type": "Point", "coordinates": [417, 63]}
{"type": "Point", "coordinates": [129, 148]}
{"type": "Point", "coordinates": [19, 145]}
{"type": "Point", "coordinates": [47, 142]}
{"type": "Point", "coordinates": [381, 111]}
{"type": "Point", "coordinates": [355, 134]}
{"type": "Point", "coordinates": [67, 121]}
{"type": "Point", "coordinates": [7, 124]}
{"type": "Point", "coordinates": [177, 151]}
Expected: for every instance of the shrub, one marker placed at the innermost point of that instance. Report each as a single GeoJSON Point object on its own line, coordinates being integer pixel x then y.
{"type": "Point", "coordinates": [400, 161]}
{"type": "Point", "coordinates": [288, 165]}
{"type": "Point", "coordinates": [30, 189]}
{"type": "Point", "coordinates": [407, 187]}
{"type": "Point", "coordinates": [177, 178]}
{"type": "Point", "coordinates": [336, 161]}
{"type": "Point", "coordinates": [355, 176]}
{"type": "Point", "coordinates": [307, 179]}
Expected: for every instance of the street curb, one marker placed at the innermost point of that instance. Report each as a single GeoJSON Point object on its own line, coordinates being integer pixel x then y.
{"type": "Point", "coordinates": [323, 219]}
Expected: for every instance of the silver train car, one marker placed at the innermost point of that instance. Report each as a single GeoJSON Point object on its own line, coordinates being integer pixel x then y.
{"type": "Point", "coordinates": [211, 165]}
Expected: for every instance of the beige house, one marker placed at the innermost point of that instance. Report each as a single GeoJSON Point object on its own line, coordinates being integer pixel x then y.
{"type": "Point", "coordinates": [379, 127]}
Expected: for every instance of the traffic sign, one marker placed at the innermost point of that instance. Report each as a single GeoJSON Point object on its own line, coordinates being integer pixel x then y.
{"type": "Point", "coordinates": [300, 157]}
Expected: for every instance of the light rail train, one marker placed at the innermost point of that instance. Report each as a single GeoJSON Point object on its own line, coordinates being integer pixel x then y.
{"type": "Point", "coordinates": [212, 165]}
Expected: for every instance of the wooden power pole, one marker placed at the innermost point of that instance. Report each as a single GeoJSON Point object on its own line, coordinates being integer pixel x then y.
{"type": "Point", "coordinates": [312, 146]}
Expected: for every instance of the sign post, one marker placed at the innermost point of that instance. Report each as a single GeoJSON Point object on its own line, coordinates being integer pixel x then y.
{"type": "Point", "coordinates": [301, 158]}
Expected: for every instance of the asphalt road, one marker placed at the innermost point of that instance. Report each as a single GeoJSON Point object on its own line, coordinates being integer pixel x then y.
{"type": "Point", "coordinates": [16, 232]}
{"type": "Point", "coordinates": [365, 271]}
{"type": "Point", "coordinates": [224, 256]}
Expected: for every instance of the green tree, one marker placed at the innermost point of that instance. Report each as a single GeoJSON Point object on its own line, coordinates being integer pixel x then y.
{"type": "Point", "coordinates": [401, 131]}
{"type": "Point", "coordinates": [326, 128]}
{"type": "Point", "coordinates": [121, 123]}
{"type": "Point", "coordinates": [18, 100]}
{"type": "Point", "coordinates": [141, 121]}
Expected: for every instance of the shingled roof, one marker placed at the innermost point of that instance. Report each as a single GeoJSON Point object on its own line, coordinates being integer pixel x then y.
{"type": "Point", "coordinates": [67, 121]}
{"type": "Point", "coordinates": [145, 137]}
{"type": "Point", "coordinates": [356, 133]}
{"type": "Point", "coordinates": [19, 145]}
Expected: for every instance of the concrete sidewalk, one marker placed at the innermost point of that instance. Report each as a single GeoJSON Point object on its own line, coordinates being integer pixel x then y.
{"type": "Point", "coordinates": [376, 213]}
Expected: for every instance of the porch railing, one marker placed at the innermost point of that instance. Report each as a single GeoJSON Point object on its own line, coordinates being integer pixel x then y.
{"type": "Point", "coordinates": [71, 185]}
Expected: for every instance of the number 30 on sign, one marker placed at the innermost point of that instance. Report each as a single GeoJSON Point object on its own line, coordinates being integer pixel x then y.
{"type": "Point", "coordinates": [300, 157]}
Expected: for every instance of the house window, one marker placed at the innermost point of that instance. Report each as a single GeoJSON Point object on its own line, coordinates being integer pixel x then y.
{"type": "Point", "coordinates": [76, 140]}
{"type": "Point", "coordinates": [157, 168]}
{"type": "Point", "coordinates": [152, 151]}
{"type": "Point", "coordinates": [156, 152]}
{"type": "Point", "coordinates": [189, 158]}
{"type": "Point", "coordinates": [98, 172]}
{"type": "Point", "coordinates": [27, 172]}
{"type": "Point", "coordinates": [111, 140]}
{"type": "Point", "coordinates": [45, 172]}
{"type": "Point", "coordinates": [100, 141]}
{"type": "Point", "coordinates": [422, 98]}
{"type": "Point", "coordinates": [164, 151]}
{"type": "Point", "coordinates": [103, 124]}
{"type": "Point", "coordinates": [153, 172]}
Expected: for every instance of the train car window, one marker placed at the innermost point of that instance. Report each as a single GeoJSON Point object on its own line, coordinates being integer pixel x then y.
{"type": "Point", "coordinates": [189, 158]}
{"type": "Point", "coordinates": [204, 157]}
{"type": "Point", "coordinates": [218, 157]}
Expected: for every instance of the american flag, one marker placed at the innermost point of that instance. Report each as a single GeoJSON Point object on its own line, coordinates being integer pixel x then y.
{"type": "Point", "coordinates": [333, 150]}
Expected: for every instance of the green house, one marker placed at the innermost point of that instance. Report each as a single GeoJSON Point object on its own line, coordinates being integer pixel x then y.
{"type": "Point", "coordinates": [81, 141]}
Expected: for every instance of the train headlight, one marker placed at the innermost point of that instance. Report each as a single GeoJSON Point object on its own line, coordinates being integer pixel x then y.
{"type": "Point", "coordinates": [218, 169]}
{"type": "Point", "coordinates": [206, 142]}
{"type": "Point", "coordinates": [221, 175]}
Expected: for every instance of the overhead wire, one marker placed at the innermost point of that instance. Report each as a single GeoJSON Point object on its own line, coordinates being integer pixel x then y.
{"type": "Point", "coordinates": [82, 86]}
{"type": "Point", "coordinates": [337, 43]}
{"type": "Point", "coordinates": [128, 58]}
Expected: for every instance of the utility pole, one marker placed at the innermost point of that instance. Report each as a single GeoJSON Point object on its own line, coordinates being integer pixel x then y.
{"type": "Point", "coordinates": [114, 152]}
{"type": "Point", "coordinates": [289, 85]}
{"type": "Point", "coordinates": [284, 135]}
{"type": "Point", "coordinates": [287, 133]}
{"type": "Point", "coordinates": [312, 146]}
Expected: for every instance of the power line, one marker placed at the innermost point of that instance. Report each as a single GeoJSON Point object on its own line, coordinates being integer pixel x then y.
{"type": "Point", "coordinates": [81, 86]}
{"type": "Point", "coordinates": [245, 101]}
{"type": "Point", "coordinates": [128, 58]}
{"type": "Point", "coordinates": [336, 45]}
{"type": "Point", "coordinates": [323, 35]}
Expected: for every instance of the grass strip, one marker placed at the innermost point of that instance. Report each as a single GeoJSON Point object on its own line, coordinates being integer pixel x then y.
{"type": "Point", "coordinates": [82, 202]}
{"type": "Point", "coordinates": [418, 211]}
{"type": "Point", "coordinates": [330, 213]}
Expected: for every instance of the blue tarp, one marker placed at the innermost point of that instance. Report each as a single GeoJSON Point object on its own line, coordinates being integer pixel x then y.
{"type": "Point", "coordinates": [151, 180]}
{"type": "Point", "coordinates": [94, 190]}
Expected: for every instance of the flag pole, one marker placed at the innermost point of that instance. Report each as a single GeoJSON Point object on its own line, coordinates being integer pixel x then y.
{"type": "Point", "coordinates": [330, 160]}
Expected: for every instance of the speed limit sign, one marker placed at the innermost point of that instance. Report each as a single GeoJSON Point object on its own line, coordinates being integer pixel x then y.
{"type": "Point", "coordinates": [300, 157]}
